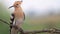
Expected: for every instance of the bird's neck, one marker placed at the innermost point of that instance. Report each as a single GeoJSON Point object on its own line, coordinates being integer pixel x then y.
{"type": "Point", "coordinates": [18, 8]}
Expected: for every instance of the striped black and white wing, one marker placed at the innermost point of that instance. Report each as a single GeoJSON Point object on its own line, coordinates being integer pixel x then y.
{"type": "Point", "coordinates": [11, 21]}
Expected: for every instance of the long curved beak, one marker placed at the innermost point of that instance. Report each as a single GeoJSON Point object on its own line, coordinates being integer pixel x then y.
{"type": "Point", "coordinates": [10, 7]}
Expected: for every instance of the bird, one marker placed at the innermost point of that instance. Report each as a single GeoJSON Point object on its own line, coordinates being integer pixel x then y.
{"type": "Point", "coordinates": [17, 17]}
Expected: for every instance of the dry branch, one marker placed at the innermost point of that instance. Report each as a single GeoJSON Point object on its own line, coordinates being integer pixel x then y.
{"type": "Point", "coordinates": [43, 31]}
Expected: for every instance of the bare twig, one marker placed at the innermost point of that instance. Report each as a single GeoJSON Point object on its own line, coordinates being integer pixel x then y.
{"type": "Point", "coordinates": [4, 21]}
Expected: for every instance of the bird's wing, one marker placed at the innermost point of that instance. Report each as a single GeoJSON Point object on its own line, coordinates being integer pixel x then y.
{"type": "Point", "coordinates": [11, 21]}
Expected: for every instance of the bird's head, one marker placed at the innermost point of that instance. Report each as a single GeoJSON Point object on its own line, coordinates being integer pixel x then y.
{"type": "Point", "coordinates": [16, 4]}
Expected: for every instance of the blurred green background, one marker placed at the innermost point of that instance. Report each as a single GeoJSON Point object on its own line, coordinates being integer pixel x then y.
{"type": "Point", "coordinates": [4, 28]}
{"type": "Point", "coordinates": [29, 24]}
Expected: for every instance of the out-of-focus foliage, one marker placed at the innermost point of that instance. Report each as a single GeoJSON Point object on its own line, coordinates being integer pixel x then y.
{"type": "Point", "coordinates": [4, 28]}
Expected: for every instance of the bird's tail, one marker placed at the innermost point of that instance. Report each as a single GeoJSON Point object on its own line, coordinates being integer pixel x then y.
{"type": "Point", "coordinates": [14, 31]}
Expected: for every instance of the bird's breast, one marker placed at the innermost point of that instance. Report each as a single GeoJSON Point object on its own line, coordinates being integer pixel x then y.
{"type": "Point", "coordinates": [19, 14]}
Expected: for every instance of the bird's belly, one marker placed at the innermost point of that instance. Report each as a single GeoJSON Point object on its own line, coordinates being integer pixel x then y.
{"type": "Point", "coordinates": [19, 22]}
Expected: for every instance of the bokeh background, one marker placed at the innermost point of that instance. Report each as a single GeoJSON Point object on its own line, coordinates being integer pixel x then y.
{"type": "Point", "coordinates": [40, 14]}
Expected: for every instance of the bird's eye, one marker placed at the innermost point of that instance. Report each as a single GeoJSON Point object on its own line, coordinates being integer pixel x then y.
{"type": "Point", "coordinates": [16, 4]}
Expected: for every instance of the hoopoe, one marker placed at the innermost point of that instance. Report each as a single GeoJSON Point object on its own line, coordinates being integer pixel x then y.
{"type": "Point", "coordinates": [17, 17]}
